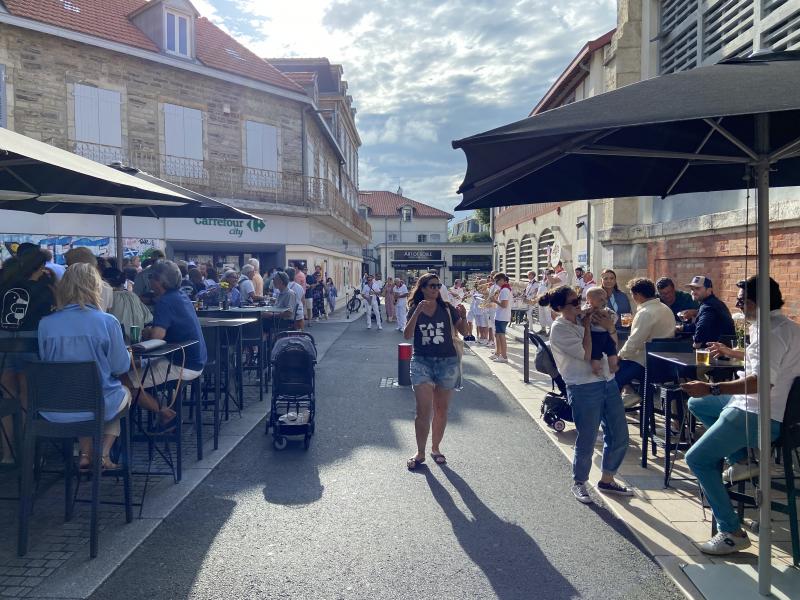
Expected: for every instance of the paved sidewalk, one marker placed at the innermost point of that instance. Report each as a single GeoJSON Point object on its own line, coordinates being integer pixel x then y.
{"type": "Point", "coordinates": [57, 564]}
{"type": "Point", "coordinates": [669, 522]}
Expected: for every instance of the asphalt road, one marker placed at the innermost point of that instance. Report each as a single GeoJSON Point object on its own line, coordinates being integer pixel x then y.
{"type": "Point", "coordinates": [347, 520]}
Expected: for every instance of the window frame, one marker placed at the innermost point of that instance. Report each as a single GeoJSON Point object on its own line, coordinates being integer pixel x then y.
{"type": "Point", "coordinates": [176, 29]}
{"type": "Point", "coordinates": [422, 238]}
{"type": "Point", "coordinates": [406, 214]}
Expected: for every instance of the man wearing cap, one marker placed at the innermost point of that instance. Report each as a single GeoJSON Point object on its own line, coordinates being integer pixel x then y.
{"type": "Point", "coordinates": [729, 410]}
{"type": "Point", "coordinates": [713, 319]}
{"type": "Point", "coordinates": [676, 300]}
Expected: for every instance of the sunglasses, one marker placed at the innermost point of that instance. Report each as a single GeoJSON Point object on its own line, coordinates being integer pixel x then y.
{"type": "Point", "coordinates": [740, 303]}
{"type": "Point", "coordinates": [435, 286]}
{"type": "Point", "coordinates": [575, 302]}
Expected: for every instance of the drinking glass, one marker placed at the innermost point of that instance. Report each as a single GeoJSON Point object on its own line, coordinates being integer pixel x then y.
{"type": "Point", "coordinates": [702, 356]}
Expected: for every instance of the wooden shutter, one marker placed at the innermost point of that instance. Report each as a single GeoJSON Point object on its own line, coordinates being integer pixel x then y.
{"type": "Point", "coordinates": [87, 110]}
{"type": "Point", "coordinates": [174, 144]}
{"type": "Point", "coordinates": [193, 133]}
{"type": "Point", "coordinates": [109, 118]}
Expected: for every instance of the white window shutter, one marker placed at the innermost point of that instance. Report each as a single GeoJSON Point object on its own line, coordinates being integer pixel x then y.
{"type": "Point", "coordinates": [110, 119]}
{"type": "Point", "coordinates": [269, 148]}
{"type": "Point", "coordinates": [193, 133]}
{"type": "Point", "coordinates": [87, 111]}
{"type": "Point", "coordinates": [3, 107]}
{"type": "Point", "coordinates": [254, 155]}
{"type": "Point", "coordinates": [173, 130]}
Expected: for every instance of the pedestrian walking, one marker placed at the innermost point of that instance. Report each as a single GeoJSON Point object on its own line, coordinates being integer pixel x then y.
{"type": "Point", "coordinates": [388, 297]}
{"type": "Point", "coordinates": [316, 284]}
{"type": "Point", "coordinates": [331, 294]}
{"type": "Point", "coordinates": [435, 364]}
{"type": "Point", "coordinates": [594, 399]}
{"type": "Point", "coordinates": [400, 293]}
{"type": "Point", "coordinates": [371, 290]}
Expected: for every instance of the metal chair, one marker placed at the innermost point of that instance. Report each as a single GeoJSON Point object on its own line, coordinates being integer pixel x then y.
{"type": "Point", "coordinates": [785, 447]}
{"type": "Point", "coordinates": [67, 388]}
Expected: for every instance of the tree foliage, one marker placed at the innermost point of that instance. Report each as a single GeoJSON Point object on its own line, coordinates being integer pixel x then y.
{"type": "Point", "coordinates": [482, 214]}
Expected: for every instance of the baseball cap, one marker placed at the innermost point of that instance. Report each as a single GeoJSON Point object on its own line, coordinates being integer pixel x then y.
{"type": "Point", "coordinates": [700, 281]}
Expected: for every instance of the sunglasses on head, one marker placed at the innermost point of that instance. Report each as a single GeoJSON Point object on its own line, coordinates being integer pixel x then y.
{"type": "Point", "coordinates": [435, 286]}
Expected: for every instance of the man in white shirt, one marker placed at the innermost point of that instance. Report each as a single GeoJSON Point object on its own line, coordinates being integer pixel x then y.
{"type": "Point", "coordinates": [587, 282]}
{"type": "Point", "coordinates": [401, 299]}
{"type": "Point", "coordinates": [560, 276]}
{"type": "Point", "coordinates": [729, 411]}
{"type": "Point", "coordinates": [299, 294]}
{"type": "Point", "coordinates": [502, 317]}
{"type": "Point", "coordinates": [545, 314]}
{"type": "Point", "coordinates": [650, 322]}
{"type": "Point", "coordinates": [579, 272]}
{"type": "Point", "coordinates": [246, 287]}
{"type": "Point", "coordinates": [371, 290]}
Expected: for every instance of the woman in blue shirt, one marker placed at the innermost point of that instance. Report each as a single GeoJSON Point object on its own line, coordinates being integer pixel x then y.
{"type": "Point", "coordinates": [80, 331]}
{"type": "Point", "coordinates": [617, 300]}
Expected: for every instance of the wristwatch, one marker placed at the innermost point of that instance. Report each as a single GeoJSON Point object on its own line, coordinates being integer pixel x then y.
{"type": "Point", "coordinates": [715, 389]}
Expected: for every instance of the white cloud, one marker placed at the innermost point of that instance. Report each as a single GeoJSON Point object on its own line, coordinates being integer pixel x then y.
{"type": "Point", "coordinates": [424, 72]}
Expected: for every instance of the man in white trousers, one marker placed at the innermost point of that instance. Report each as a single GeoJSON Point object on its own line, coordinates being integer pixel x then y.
{"type": "Point", "coordinates": [370, 292]}
{"type": "Point", "coordinates": [530, 293]}
{"type": "Point", "coordinates": [401, 303]}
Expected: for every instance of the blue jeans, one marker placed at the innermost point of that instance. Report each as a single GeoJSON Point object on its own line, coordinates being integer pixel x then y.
{"type": "Point", "coordinates": [593, 405]}
{"type": "Point", "coordinates": [730, 431]}
{"type": "Point", "coordinates": [628, 371]}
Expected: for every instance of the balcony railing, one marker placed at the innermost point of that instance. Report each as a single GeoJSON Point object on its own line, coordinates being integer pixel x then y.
{"type": "Point", "coordinates": [99, 153]}
{"type": "Point", "coordinates": [230, 180]}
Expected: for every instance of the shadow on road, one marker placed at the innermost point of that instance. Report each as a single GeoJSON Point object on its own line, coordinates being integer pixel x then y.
{"type": "Point", "coordinates": [509, 558]}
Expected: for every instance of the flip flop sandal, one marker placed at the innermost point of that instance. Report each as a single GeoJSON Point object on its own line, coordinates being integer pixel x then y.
{"type": "Point", "coordinates": [439, 459]}
{"type": "Point", "coordinates": [414, 462]}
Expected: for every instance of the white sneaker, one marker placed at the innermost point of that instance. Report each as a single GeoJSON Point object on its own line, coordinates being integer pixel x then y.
{"type": "Point", "coordinates": [724, 543]}
{"type": "Point", "coordinates": [380, 328]}
{"type": "Point", "coordinates": [500, 359]}
{"type": "Point", "coordinates": [740, 472]}
{"type": "Point", "coordinates": [631, 399]}
{"type": "Point", "coordinates": [580, 493]}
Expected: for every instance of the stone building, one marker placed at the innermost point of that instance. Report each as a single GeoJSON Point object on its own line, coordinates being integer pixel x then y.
{"type": "Point", "coordinates": [410, 238]}
{"type": "Point", "coordinates": [534, 236]}
{"type": "Point", "coordinates": [157, 86]}
{"type": "Point", "coordinates": [685, 235]}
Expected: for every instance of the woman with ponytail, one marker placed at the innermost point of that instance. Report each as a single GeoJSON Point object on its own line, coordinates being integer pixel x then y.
{"type": "Point", "coordinates": [594, 398]}
{"type": "Point", "coordinates": [435, 365]}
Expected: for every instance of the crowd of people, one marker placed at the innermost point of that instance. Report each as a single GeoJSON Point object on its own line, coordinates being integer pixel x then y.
{"type": "Point", "coordinates": [88, 309]}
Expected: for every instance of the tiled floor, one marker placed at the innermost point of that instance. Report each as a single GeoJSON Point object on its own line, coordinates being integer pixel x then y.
{"type": "Point", "coordinates": [668, 521]}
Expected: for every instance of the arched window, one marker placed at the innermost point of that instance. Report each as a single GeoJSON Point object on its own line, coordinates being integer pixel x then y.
{"type": "Point", "coordinates": [511, 259]}
{"type": "Point", "coordinates": [546, 241]}
{"type": "Point", "coordinates": [526, 262]}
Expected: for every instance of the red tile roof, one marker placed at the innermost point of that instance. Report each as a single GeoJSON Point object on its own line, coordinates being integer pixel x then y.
{"type": "Point", "coordinates": [388, 204]}
{"type": "Point", "coordinates": [108, 19]}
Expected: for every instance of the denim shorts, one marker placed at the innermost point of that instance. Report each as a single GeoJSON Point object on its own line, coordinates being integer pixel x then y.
{"type": "Point", "coordinates": [500, 327]}
{"type": "Point", "coordinates": [443, 372]}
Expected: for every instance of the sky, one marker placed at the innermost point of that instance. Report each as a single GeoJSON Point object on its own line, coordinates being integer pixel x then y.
{"type": "Point", "coordinates": [422, 72]}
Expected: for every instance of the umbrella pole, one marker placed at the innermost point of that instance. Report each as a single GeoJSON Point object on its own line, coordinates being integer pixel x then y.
{"type": "Point", "coordinates": [764, 425]}
{"type": "Point", "coordinates": [118, 232]}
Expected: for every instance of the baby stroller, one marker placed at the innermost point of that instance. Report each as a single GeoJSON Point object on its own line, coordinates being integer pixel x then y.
{"type": "Point", "coordinates": [555, 409]}
{"type": "Point", "coordinates": [293, 404]}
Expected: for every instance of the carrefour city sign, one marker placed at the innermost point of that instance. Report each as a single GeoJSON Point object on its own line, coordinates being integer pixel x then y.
{"type": "Point", "coordinates": [235, 226]}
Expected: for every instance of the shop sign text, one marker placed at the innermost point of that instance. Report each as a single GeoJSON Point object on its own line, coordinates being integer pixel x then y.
{"type": "Point", "coordinates": [235, 226]}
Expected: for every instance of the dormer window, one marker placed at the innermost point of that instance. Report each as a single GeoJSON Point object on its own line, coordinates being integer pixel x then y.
{"type": "Point", "coordinates": [406, 213]}
{"type": "Point", "coordinates": [178, 34]}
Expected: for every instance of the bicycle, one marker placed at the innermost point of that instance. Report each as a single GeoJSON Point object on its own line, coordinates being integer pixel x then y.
{"type": "Point", "coordinates": [354, 304]}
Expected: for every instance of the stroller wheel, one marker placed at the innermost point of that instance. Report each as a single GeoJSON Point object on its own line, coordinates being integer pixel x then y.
{"type": "Point", "coordinates": [306, 442]}
{"type": "Point", "coordinates": [559, 425]}
{"type": "Point", "coordinates": [280, 442]}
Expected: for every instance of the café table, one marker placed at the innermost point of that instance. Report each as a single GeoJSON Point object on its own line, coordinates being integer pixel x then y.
{"type": "Point", "coordinates": [234, 325]}
{"type": "Point", "coordinates": [166, 351]}
{"type": "Point", "coordinates": [683, 364]}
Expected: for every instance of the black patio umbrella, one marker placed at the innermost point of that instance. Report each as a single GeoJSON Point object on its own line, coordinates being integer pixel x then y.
{"type": "Point", "coordinates": [695, 131]}
{"type": "Point", "coordinates": [39, 178]}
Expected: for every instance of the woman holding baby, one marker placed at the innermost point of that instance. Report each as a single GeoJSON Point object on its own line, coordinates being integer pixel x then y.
{"type": "Point", "coordinates": [593, 396]}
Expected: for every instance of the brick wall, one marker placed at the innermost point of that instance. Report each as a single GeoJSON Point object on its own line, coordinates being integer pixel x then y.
{"type": "Point", "coordinates": [722, 258]}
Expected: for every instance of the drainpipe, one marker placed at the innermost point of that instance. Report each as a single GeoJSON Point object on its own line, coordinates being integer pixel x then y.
{"type": "Point", "coordinates": [303, 152]}
{"type": "Point", "coordinates": [589, 237]}
{"type": "Point", "coordinates": [386, 248]}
